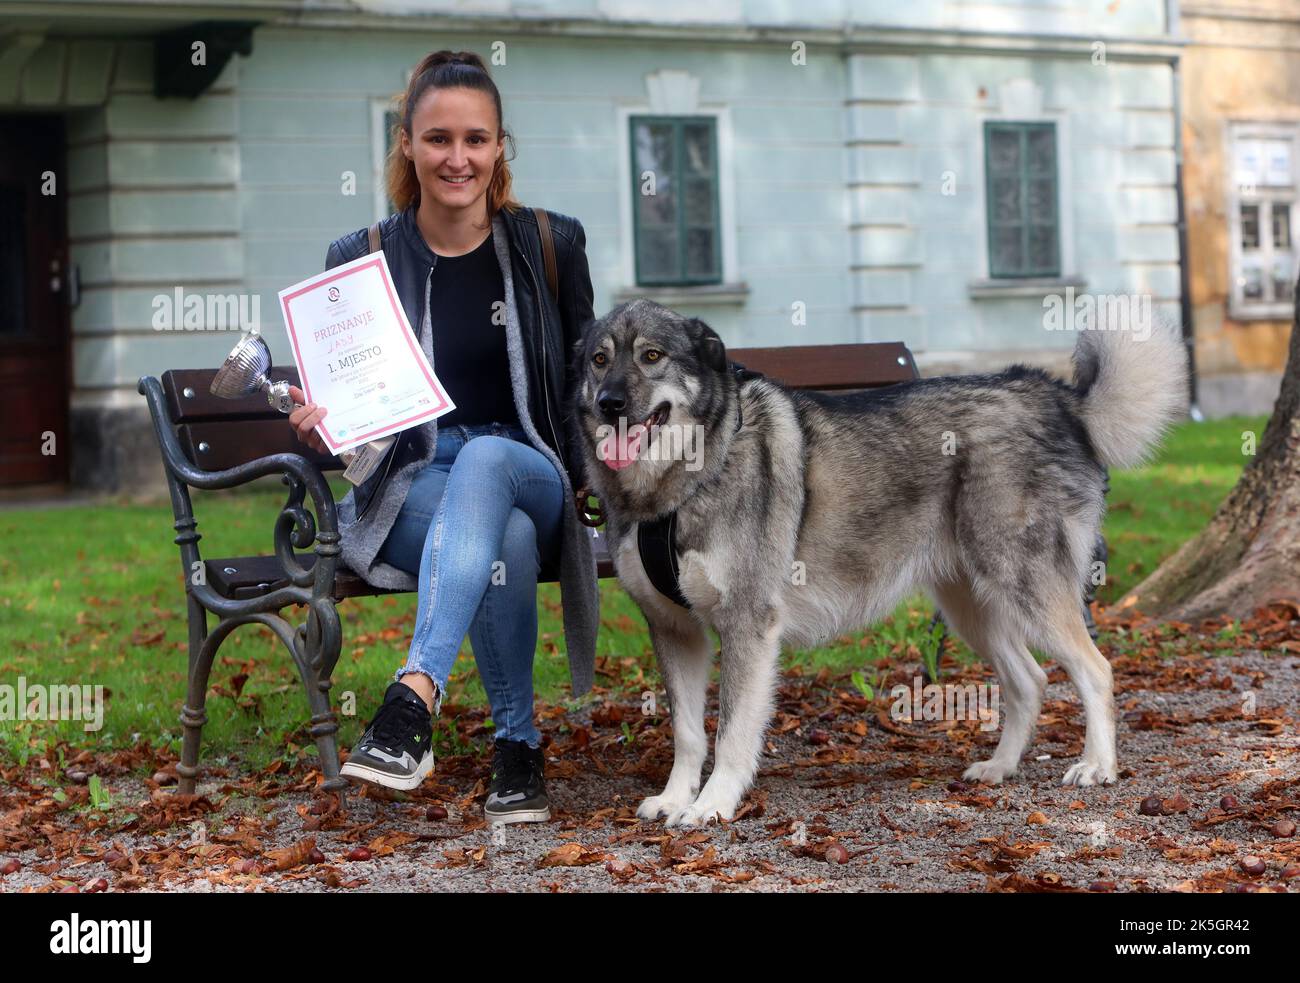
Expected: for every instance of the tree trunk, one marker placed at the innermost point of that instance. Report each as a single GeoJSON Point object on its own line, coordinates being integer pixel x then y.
{"type": "Point", "coordinates": [1249, 554]}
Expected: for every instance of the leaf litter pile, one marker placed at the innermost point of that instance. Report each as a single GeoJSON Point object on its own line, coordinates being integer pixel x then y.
{"type": "Point", "coordinates": [850, 796]}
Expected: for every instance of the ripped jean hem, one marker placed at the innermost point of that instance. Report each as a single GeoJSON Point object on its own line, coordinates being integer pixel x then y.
{"type": "Point", "coordinates": [438, 685]}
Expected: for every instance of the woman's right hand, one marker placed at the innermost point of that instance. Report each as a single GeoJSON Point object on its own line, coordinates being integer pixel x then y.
{"type": "Point", "coordinates": [304, 419]}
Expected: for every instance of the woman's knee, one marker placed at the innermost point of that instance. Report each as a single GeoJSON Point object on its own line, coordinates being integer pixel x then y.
{"type": "Point", "coordinates": [487, 453]}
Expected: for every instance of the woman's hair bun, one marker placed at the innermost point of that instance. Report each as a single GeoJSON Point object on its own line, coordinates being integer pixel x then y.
{"type": "Point", "coordinates": [446, 57]}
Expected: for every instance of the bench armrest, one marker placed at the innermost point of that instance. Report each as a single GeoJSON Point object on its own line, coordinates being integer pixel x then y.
{"type": "Point", "coordinates": [294, 528]}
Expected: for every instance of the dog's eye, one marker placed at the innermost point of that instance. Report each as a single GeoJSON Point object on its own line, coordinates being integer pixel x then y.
{"type": "Point", "coordinates": [652, 356]}
{"type": "Point", "coordinates": [599, 358]}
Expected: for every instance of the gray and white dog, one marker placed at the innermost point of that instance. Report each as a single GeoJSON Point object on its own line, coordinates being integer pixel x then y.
{"type": "Point", "coordinates": [985, 491]}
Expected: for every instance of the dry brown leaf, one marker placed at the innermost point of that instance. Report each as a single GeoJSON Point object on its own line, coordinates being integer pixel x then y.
{"type": "Point", "coordinates": [573, 855]}
{"type": "Point", "coordinates": [292, 856]}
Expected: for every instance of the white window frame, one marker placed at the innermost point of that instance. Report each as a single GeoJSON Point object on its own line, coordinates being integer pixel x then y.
{"type": "Point", "coordinates": [1269, 198]}
{"type": "Point", "coordinates": [379, 108]}
{"type": "Point", "coordinates": [726, 193]}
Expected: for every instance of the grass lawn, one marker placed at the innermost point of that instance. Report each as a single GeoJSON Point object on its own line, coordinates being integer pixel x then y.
{"type": "Point", "coordinates": [94, 595]}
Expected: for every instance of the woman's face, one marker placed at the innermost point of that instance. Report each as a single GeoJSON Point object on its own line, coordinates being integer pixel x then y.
{"type": "Point", "coordinates": [454, 143]}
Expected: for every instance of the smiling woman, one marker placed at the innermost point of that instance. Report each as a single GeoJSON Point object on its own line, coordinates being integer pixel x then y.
{"type": "Point", "coordinates": [470, 508]}
{"type": "Point", "coordinates": [450, 142]}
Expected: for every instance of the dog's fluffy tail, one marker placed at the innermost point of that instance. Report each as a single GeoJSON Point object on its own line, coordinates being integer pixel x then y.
{"type": "Point", "coordinates": [1134, 385]}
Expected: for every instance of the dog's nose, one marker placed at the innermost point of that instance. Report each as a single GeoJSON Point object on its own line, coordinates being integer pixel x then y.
{"type": "Point", "coordinates": [611, 402]}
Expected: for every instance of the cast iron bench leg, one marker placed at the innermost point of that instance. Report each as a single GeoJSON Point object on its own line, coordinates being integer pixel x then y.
{"type": "Point", "coordinates": [315, 658]}
{"type": "Point", "coordinates": [193, 713]}
{"type": "Point", "coordinates": [316, 650]}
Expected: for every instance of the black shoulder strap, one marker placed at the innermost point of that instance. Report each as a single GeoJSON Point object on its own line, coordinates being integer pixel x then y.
{"type": "Point", "coordinates": [657, 543]}
{"type": "Point", "coordinates": [548, 251]}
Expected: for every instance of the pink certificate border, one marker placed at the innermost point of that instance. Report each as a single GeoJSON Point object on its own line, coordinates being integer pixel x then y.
{"type": "Point", "coordinates": [406, 333]}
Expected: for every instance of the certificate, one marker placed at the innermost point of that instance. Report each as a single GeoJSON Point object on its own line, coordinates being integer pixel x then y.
{"type": "Point", "coordinates": [357, 355]}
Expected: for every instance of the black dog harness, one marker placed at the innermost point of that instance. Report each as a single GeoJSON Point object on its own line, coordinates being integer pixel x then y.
{"type": "Point", "coordinates": [656, 541]}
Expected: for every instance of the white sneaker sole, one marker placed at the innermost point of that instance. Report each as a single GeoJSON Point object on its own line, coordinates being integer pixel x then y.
{"type": "Point", "coordinates": [525, 816]}
{"type": "Point", "coordinates": [365, 773]}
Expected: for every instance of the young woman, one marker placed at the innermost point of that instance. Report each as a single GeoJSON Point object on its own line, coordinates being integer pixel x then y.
{"type": "Point", "coordinates": [471, 507]}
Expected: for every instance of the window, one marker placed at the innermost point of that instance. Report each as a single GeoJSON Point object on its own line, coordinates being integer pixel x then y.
{"type": "Point", "coordinates": [1262, 200]}
{"type": "Point", "coordinates": [1020, 187]}
{"type": "Point", "coordinates": [675, 211]}
{"type": "Point", "coordinates": [382, 121]}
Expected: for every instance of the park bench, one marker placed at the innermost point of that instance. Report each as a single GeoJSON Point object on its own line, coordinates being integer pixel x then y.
{"type": "Point", "coordinates": [208, 443]}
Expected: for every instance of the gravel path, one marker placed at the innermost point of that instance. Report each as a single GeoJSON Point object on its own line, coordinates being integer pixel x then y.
{"type": "Point", "coordinates": [847, 800]}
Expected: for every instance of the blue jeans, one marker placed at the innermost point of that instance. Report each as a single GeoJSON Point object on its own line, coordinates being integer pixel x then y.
{"type": "Point", "coordinates": [476, 526]}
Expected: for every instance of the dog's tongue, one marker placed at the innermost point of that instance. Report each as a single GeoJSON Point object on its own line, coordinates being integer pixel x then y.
{"type": "Point", "coordinates": [618, 450]}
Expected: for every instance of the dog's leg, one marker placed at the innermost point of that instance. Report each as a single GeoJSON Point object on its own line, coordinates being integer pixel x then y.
{"type": "Point", "coordinates": [1067, 641]}
{"type": "Point", "coordinates": [750, 660]}
{"type": "Point", "coordinates": [1021, 679]}
{"type": "Point", "coordinates": [1023, 682]}
{"type": "Point", "coordinates": [685, 655]}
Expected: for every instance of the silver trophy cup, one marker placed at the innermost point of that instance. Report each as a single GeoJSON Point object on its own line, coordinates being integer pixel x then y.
{"type": "Point", "coordinates": [244, 373]}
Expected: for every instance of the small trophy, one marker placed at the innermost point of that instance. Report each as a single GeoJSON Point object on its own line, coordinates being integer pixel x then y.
{"type": "Point", "coordinates": [244, 373]}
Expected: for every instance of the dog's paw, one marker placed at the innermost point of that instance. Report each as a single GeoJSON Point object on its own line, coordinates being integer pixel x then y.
{"type": "Point", "coordinates": [685, 816]}
{"type": "Point", "coordinates": [989, 772]}
{"type": "Point", "coordinates": [696, 814]}
{"type": "Point", "coordinates": [1087, 772]}
{"type": "Point", "coordinates": [661, 805]}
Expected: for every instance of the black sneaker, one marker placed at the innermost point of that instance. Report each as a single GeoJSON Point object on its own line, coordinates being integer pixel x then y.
{"type": "Point", "coordinates": [397, 749]}
{"type": "Point", "coordinates": [518, 790]}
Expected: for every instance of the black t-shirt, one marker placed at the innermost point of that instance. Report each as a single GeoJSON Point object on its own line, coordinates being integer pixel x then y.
{"type": "Point", "coordinates": [469, 350]}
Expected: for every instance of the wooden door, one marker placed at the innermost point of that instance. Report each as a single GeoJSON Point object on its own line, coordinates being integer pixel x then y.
{"type": "Point", "coordinates": [34, 336]}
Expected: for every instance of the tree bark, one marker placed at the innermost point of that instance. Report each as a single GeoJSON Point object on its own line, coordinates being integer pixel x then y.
{"type": "Point", "coordinates": [1249, 554]}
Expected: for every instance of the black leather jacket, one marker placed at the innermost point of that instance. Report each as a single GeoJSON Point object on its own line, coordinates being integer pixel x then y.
{"type": "Point", "coordinates": [550, 326]}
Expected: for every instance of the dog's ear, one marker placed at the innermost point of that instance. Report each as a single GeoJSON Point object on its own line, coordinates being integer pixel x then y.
{"type": "Point", "coordinates": [709, 347]}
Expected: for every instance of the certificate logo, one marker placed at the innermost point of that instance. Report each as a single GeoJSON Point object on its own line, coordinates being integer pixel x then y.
{"type": "Point", "coordinates": [333, 294]}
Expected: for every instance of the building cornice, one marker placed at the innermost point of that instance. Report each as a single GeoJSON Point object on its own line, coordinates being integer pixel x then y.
{"type": "Point", "coordinates": [350, 16]}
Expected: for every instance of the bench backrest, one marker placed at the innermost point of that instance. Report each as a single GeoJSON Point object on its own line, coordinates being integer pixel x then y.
{"type": "Point", "coordinates": [218, 433]}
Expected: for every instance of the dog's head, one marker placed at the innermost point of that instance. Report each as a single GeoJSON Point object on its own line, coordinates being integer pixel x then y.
{"type": "Point", "coordinates": [649, 382]}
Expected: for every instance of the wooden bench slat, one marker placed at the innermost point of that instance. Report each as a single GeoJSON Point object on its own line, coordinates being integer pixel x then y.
{"type": "Point", "coordinates": [860, 366]}
{"type": "Point", "coordinates": [240, 577]}
{"type": "Point", "coordinates": [202, 405]}
{"type": "Point", "coordinates": [234, 442]}
{"type": "Point", "coordinates": [830, 367]}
